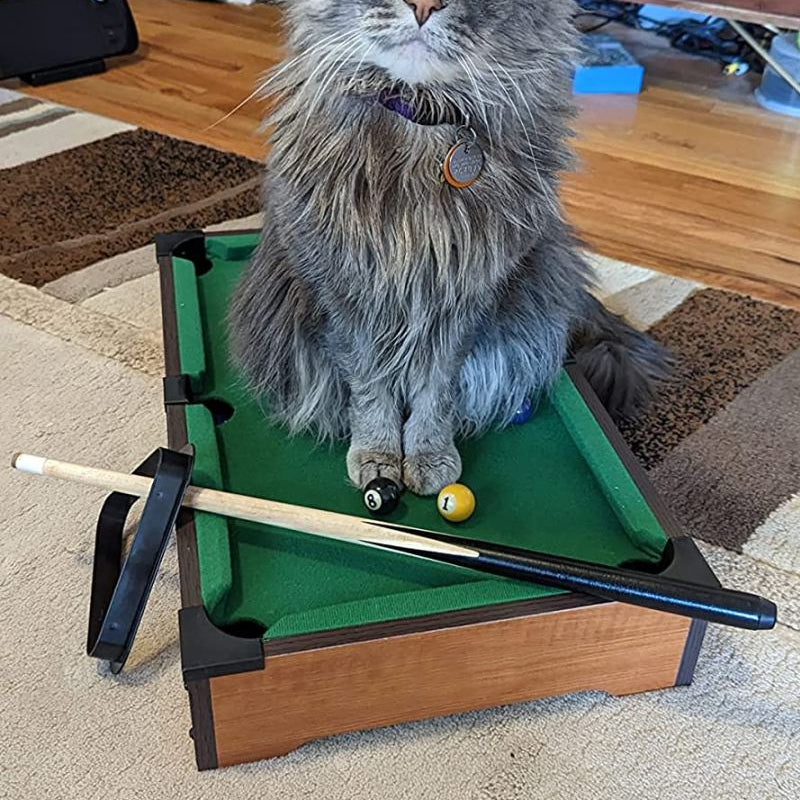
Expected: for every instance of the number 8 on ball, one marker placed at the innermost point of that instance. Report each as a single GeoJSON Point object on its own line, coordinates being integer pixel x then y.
{"type": "Point", "coordinates": [381, 496]}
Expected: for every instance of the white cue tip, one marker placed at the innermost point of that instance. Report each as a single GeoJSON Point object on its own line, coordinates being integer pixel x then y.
{"type": "Point", "coordinates": [27, 463]}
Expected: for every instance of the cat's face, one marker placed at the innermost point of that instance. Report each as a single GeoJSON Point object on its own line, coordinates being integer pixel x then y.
{"type": "Point", "coordinates": [415, 41]}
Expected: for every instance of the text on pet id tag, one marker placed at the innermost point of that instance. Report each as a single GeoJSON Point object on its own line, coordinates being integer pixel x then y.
{"type": "Point", "coordinates": [464, 162]}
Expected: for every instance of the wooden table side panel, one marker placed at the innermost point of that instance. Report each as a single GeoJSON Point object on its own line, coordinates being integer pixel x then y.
{"type": "Point", "coordinates": [308, 695]}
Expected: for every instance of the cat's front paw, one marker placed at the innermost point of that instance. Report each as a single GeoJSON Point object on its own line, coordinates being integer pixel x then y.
{"type": "Point", "coordinates": [427, 473]}
{"type": "Point", "coordinates": [366, 465]}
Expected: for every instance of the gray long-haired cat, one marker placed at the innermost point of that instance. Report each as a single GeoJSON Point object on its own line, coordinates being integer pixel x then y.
{"type": "Point", "coordinates": [385, 303]}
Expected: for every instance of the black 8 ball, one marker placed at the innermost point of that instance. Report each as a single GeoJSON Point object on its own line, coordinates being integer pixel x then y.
{"type": "Point", "coordinates": [381, 496]}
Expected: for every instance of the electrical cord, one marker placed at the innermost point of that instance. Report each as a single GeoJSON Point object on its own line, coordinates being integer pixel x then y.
{"type": "Point", "coordinates": [712, 37]}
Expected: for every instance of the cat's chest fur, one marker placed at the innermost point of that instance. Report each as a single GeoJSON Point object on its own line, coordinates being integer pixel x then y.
{"type": "Point", "coordinates": [369, 189]}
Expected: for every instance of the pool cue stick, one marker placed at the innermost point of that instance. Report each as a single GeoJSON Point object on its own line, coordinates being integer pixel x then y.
{"type": "Point", "coordinates": [714, 604]}
{"type": "Point", "coordinates": [253, 509]}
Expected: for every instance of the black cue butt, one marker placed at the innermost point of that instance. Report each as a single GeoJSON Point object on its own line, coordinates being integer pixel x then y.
{"type": "Point", "coordinates": [649, 590]}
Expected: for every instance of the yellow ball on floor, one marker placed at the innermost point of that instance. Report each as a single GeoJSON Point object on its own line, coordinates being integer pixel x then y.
{"type": "Point", "coordinates": [456, 502]}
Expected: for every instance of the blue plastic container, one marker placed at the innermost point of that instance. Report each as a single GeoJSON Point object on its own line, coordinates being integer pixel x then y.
{"type": "Point", "coordinates": [774, 92]}
{"type": "Point", "coordinates": [606, 67]}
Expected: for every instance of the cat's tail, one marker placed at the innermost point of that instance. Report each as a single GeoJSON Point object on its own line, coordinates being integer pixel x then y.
{"type": "Point", "coordinates": [624, 366]}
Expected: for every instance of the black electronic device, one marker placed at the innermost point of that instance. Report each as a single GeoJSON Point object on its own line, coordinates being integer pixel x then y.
{"type": "Point", "coordinates": [42, 41]}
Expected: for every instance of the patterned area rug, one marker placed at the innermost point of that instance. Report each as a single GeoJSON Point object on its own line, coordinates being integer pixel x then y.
{"type": "Point", "coordinates": [78, 188]}
{"type": "Point", "coordinates": [81, 359]}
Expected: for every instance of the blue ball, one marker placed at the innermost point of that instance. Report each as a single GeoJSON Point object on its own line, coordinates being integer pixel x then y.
{"type": "Point", "coordinates": [524, 412]}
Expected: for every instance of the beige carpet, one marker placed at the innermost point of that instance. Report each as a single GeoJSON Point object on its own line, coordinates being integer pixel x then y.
{"type": "Point", "coordinates": [80, 365]}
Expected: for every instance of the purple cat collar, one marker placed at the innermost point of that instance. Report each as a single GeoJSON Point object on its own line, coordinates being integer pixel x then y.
{"type": "Point", "coordinates": [398, 105]}
{"type": "Point", "coordinates": [423, 116]}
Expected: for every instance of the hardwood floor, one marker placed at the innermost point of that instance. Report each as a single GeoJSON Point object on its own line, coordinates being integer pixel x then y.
{"type": "Point", "coordinates": [691, 177]}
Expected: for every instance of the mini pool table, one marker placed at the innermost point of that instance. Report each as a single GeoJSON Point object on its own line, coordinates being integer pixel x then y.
{"type": "Point", "coordinates": [286, 638]}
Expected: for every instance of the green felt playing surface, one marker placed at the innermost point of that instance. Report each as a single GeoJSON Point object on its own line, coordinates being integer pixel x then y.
{"type": "Point", "coordinates": [554, 484]}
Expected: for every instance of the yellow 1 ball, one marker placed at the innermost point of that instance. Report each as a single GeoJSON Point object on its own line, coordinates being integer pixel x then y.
{"type": "Point", "coordinates": [456, 502]}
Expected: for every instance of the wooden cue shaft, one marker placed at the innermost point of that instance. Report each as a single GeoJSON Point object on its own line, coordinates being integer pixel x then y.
{"type": "Point", "coordinates": [254, 509]}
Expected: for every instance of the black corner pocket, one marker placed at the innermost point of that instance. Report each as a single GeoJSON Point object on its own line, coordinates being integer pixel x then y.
{"type": "Point", "coordinates": [189, 244]}
{"type": "Point", "coordinates": [221, 410]}
{"type": "Point", "coordinates": [192, 246]}
{"type": "Point", "coordinates": [202, 264]}
{"type": "Point", "coordinates": [245, 629]}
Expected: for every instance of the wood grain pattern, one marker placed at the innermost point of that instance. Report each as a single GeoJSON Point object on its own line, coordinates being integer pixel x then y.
{"type": "Point", "coordinates": [691, 177]}
{"type": "Point", "coordinates": [196, 62]}
{"type": "Point", "coordinates": [307, 695]}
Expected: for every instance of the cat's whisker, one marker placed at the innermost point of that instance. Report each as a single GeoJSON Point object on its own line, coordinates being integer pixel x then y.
{"type": "Point", "coordinates": [486, 59]}
{"type": "Point", "coordinates": [327, 62]}
{"type": "Point", "coordinates": [236, 108]}
{"type": "Point", "coordinates": [356, 71]}
{"type": "Point", "coordinates": [308, 84]}
{"type": "Point", "coordinates": [547, 196]}
{"type": "Point", "coordinates": [499, 83]}
{"type": "Point", "coordinates": [479, 98]}
{"type": "Point", "coordinates": [331, 44]}
{"type": "Point", "coordinates": [513, 107]}
{"type": "Point", "coordinates": [273, 75]}
{"type": "Point", "coordinates": [343, 54]}
{"type": "Point", "coordinates": [475, 101]}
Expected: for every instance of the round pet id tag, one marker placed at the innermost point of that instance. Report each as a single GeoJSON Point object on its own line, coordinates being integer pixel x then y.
{"type": "Point", "coordinates": [464, 163]}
